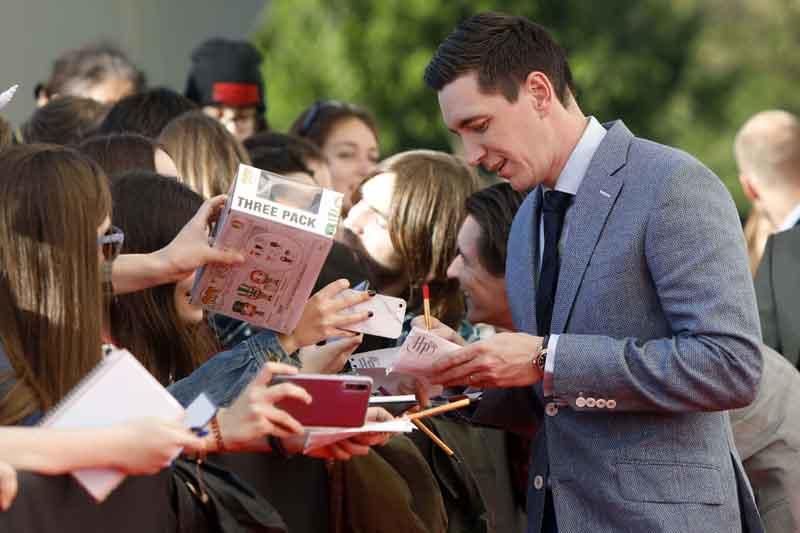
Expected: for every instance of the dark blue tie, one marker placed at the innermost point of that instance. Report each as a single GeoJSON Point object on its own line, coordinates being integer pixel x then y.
{"type": "Point", "coordinates": [554, 207]}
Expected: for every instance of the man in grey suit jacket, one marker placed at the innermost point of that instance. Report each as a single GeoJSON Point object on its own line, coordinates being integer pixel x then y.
{"type": "Point", "coordinates": [778, 293]}
{"type": "Point", "coordinates": [654, 325]}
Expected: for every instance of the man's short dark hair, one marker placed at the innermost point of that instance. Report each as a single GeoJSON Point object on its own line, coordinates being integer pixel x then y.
{"type": "Point", "coordinates": [502, 50]}
{"type": "Point", "coordinates": [493, 208]}
{"type": "Point", "coordinates": [145, 113]}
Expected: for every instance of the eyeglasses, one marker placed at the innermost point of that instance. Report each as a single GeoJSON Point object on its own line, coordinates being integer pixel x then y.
{"type": "Point", "coordinates": [111, 242]}
{"type": "Point", "coordinates": [313, 114]}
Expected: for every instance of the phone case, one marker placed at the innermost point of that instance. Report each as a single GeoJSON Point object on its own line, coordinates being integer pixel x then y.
{"type": "Point", "coordinates": [337, 401]}
{"type": "Point", "coordinates": [388, 313]}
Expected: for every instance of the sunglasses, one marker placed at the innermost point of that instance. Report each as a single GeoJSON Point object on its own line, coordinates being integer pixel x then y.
{"type": "Point", "coordinates": [314, 112]}
{"type": "Point", "coordinates": [111, 242]}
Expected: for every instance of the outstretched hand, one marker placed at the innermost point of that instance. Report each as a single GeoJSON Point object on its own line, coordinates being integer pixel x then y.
{"type": "Point", "coordinates": [325, 315]}
{"type": "Point", "coordinates": [190, 248]}
{"type": "Point", "coordinates": [253, 415]}
{"type": "Point", "coordinates": [502, 360]}
{"type": "Point", "coordinates": [440, 329]}
{"type": "Point", "coordinates": [357, 444]}
{"type": "Point", "coordinates": [145, 446]}
{"type": "Point", "coordinates": [330, 358]}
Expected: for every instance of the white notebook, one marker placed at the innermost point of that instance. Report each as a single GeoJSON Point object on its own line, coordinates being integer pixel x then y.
{"type": "Point", "coordinates": [119, 389]}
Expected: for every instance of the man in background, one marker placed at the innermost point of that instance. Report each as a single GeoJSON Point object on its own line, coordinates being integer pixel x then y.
{"type": "Point", "coordinates": [767, 149]}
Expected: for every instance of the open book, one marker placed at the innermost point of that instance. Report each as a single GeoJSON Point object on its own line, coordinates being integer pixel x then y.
{"type": "Point", "coordinates": [285, 230]}
{"type": "Point", "coordinates": [118, 390]}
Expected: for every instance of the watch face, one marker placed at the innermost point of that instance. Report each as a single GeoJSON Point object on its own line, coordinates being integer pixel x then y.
{"type": "Point", "coordinates": [540, 359]}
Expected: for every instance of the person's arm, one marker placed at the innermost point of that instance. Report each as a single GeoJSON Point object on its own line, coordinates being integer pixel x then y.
{"type": "Point", "coordinates": [138, 447]}
{"type": "Point", "coordinates": [697, 262]}
{"type": "Point", "coordinates": [711, 362]}
{"type": "Point", "coordinates": [253, 417]}
{"type": "Point", "coordinates": [226, 374]}
{"type": "Point", "coordinates": [188, 251]}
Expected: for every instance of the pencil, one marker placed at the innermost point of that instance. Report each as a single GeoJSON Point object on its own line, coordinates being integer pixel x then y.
{"type": "Point", "coordinates": [426, 304]}
{"type": "Point", "coordinates": [436, 440]}
{"type": "Point", "coordinates": [438, 410]}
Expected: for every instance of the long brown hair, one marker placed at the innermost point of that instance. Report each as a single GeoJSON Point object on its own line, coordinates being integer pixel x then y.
{"type": "Point", "coordinates": [426, 210]}
{"type": "Point", "coordinates": [206, 154]}
{"type": "Point", "coordinates": [51, 300]}
{"type": "Point", "coordinates": [147, 322]}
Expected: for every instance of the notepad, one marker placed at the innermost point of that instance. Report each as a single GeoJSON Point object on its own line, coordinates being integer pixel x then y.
{"type": "Point", "coordinates": [118, 390]}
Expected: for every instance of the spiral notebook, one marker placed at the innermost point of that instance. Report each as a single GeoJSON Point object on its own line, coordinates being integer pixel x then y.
{"type": "Point", "coordinates": [119, 389]}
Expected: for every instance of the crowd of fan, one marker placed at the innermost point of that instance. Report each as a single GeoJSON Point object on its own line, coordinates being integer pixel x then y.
{"type": "Point", "coordinates": [104, 154]}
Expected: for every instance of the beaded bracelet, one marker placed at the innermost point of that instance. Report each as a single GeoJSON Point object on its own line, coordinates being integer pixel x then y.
{"type": "Point", "coordinates": [217, 435]}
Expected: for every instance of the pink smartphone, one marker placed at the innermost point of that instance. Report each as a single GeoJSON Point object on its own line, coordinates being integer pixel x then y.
{"type": "Point", "coordinates": [337, 401]}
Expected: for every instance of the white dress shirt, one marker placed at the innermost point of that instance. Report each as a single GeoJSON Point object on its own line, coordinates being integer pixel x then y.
{"type": "Point", "coordinates": [791, 219]}
{"type": "Point", "coordinates": [569, 181]}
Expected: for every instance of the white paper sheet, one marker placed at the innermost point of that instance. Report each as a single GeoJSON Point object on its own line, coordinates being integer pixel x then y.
{"type": "Point", "coordinates": [318, 437]}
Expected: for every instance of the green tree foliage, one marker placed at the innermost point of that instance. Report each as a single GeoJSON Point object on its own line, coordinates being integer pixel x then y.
{"type": "Point", "coordinates": [685, 73]}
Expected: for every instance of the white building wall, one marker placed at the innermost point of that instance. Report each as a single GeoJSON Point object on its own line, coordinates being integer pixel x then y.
{"type": "Point", "coordinates": [158, 36]}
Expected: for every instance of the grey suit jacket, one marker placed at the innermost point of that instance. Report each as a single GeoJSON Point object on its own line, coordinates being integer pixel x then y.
{"type": "Point", "coordinates": [659, 337]}
{"type": "Point", "coordinates": [778, 291]}
{"type": "Point", "coordinates": [767, 435]}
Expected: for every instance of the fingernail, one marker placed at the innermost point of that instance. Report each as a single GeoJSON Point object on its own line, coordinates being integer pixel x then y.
{"type": "Point", "coordinates": [370, 314]}
{"type": "Point", "coordinates": [371, 292]}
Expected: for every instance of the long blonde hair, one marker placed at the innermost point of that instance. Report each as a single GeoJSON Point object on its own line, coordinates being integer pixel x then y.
{"type": "Point", "coordinates": [426, 211]}
{"type": "Point", "coordinates": [51, 300]}
{"type": "Point", "coordinates": [206, 154]}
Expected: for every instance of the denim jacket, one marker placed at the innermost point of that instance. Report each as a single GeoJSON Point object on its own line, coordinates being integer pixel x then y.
{"type": "Point", "coordinates": [226, 374]}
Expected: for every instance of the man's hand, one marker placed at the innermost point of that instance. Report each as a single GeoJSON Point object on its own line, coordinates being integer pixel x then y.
{"type": "Point", "coordinates": [503, 360]}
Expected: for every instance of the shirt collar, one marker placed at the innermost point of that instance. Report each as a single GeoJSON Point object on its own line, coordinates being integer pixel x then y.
{"type": "Point", "coordinates": [791, 219]}
{"type": "Point", "coordinates": [572, 175]}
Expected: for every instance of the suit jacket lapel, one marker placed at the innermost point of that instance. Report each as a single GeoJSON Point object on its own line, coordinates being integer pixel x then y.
{"type": "Point", "coordinates": [523, 244]}
{"type": "Point", "coordinates": [593, 203]}
{"type": "Point", "coordinates": [534, 252]}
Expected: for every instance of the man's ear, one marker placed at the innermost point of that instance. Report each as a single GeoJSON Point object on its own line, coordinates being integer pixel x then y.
{"type": "Point", "coordinates": [538, 87]}
{"type": "Point", "coordinates": [750, 188]}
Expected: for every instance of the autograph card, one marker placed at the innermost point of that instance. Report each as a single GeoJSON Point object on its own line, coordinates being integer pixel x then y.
{"type": "Point", "coordinates": [417, 354]}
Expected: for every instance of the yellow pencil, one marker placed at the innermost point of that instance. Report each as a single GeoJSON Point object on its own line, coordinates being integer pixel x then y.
{"type": "Point", "coordinates": [426, 304]}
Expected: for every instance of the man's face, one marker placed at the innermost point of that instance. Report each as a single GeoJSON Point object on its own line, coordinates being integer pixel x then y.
{"type": "Point", "coordinates": [485, 293]}
{"type": "Point", "coordinates": [509, 138]}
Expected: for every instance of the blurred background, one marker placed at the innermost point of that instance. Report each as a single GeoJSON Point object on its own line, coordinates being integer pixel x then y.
{"type": "Point", "coordinates": [682, 72]}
